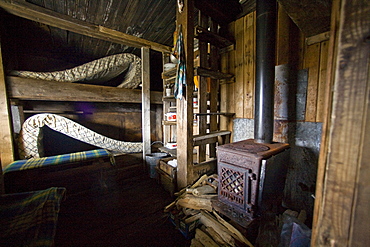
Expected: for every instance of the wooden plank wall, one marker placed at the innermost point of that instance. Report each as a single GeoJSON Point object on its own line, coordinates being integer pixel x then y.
{"type": "Point", "coordinates": [315, 61]}
{"type": "Point", "coordinates": [342, 192]}
{"type": "Point", "coordinates": [238, 96]}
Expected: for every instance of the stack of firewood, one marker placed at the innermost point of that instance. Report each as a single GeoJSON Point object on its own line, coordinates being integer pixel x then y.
{"type": "Point", "coordinates": [195, 204]}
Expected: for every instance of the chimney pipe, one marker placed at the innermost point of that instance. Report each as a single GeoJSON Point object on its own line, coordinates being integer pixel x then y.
{"type": "Point", "coordinates": [265, 70]}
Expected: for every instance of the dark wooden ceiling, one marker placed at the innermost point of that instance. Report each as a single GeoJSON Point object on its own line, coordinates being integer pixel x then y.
{"type": "Point", "coordinates": [149, 19]}
{"type": "Point", "coordinates": [153, 20]}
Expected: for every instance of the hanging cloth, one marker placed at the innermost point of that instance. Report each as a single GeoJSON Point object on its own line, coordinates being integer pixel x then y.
{"type": "Point", "coordinates": [180, 81]}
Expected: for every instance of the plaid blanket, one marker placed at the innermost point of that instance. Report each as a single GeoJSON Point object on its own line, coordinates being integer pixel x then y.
{"type": "Point", "coordinates": [30, 218]}
{"type": "Point", "coordinates": [58, 160]}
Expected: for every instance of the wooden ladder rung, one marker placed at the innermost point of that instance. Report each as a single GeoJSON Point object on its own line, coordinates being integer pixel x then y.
{"type": "Point", "coordinates": [210, 137]}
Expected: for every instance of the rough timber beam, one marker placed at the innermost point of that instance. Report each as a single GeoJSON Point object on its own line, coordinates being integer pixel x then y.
{"type": "Point", "coordinates": [33, 89]}
{"type": "Point", "coordinates": [52, 18]}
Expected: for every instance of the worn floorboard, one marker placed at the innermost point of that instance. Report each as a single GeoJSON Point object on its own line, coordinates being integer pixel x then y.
{"type": "Point", "coordinates": [122, 207]}
{"type": "Point", "coordinates": [130, 214]}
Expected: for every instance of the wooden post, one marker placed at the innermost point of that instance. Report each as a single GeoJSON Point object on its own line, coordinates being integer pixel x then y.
{"type": "Point", "coordinates": [185, 105]}
{"type": "Point", "coordinates": [214, 92]}
{"type": "Point", "coordinates": [145, 64]}
{"type": "Point", "coordinates": [342, 193]}
{"type": "Point", "coordinates": [202, 88]}
{"type": "Point", "coordinates": [6, 132]}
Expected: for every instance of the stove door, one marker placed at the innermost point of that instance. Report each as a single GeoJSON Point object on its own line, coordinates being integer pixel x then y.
{"type": "Point", "coordinates": [238, 186]}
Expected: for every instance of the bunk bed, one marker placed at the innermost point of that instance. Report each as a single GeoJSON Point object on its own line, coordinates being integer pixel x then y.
{"type": "Point", "coordinates": [20, 89]}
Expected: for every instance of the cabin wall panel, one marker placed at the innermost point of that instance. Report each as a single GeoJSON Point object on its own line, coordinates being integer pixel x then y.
{"type": "Point", "coordinates": [239, 69]}
{"type": "Point", "coordinates": [249, 64]}
{"type": "Point", "coordinates": [238, 96]}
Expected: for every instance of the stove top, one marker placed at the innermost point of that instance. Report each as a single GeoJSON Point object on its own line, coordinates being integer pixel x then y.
{"type": "Point", "coordinates": [250, 147]}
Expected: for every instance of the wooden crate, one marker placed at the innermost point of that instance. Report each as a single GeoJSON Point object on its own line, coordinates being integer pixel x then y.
{"type": "Point", "coordinates": [167, 175]}
{"type": "Point", "coordinates": [170, 170]}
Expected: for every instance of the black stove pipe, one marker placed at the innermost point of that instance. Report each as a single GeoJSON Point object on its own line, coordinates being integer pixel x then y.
{"type": "Point", "coordinates": [265, 70]}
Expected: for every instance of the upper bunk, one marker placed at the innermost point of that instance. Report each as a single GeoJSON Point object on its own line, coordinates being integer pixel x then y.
{"type": "Point", "coordinates": [74, 26]}
{"type": "Point", "coordinates": [31, 89]}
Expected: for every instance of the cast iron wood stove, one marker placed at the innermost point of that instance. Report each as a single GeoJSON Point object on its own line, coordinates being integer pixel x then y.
{"type": "Point", "coordinates": [251, 178]}
{"type": "Point", "coordinates": [252, 172]}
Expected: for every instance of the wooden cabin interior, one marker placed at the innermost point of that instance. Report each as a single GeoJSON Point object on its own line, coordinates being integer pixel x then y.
{"type": "Point", "coordinates": [287, 72]}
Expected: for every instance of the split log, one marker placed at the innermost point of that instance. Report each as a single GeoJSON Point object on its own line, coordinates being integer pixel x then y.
{"type": "Point", "coordinates": [204, 238]}
{"type": "Point", "coordinates": [190, 201]}
{"type": "Point", "coordinates": [182, 192]}
{"type": "Point", "coordinates": [214, 235]}
{"type": "Point", "coordinates": [192, 218]}
{"type": "Point", "coordinates": [190, 211]}
{"type": "Point", "coordinates": [209, 221]}
{"type": "Point", "coordinates": [200, 181]}
{"type": "Point", "coordinates": [205, 189]}
{"type": "Point", "coordinates": [233, 230]}
{"type": "Point", "coordinates": [195, 243]}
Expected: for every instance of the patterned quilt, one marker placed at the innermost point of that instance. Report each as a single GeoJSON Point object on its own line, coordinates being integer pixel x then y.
{"type": "Point", "coordinates": [58, 160]}
{"type": "Point", "coordinates": [30, 218]}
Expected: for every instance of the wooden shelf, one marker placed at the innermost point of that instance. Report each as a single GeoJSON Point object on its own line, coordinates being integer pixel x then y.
{"type": "Point", "coordinates": [170, 79]}
{"type": "Point", "coordinates": [170, 98]}
{"type": "Point", "coordinates": [169, 122]}
{"type": "Point", "coordinates": [227, 114]}
{"type": "Point", "coordinates": [210, 73]}
{"type": "Point", "coordinates": [169, 73]}
{"type": "Point", "coordinates": [203, 34]}
{"type": "Point", "coordinates": [203, 62]}
{"type": "Point", "coordinates": [169, 151]}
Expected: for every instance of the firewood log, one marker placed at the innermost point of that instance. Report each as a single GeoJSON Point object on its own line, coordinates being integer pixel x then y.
{"type": "Point", "coordinates": [204, 238]}
{"type": "Point", "coordinates": [192, 218]}
{"type": "Point", "coordinates": [233, 230]}
{"type": "Point", "coordinates": [195, 243]}
{"type": "Point", "coordinates": [214, 235]}
{"type": "Point", "coordinates": [190, 211]}
{"type": "Point", "coordinates": [205, 189]}
{"type": "Point", "coordinates": [190, 201]}
{"type": "Point", "coordinates": [209, 221]}
{"type": "Point", "coordinates": [182, 193]}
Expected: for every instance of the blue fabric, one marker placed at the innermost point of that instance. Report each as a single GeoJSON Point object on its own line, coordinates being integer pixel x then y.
{"type": "Point", "coordinates": [180, 81]}
{"type": "Point", "coordinates": [58, 160]}
{"type": "Point", "coordinates": [30, 218]}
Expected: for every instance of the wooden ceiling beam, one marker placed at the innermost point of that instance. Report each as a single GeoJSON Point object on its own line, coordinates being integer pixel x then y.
{"type": "Point", "coordinates": [48, 17]}
{"type": "Point", "coordinates": [34, 89]}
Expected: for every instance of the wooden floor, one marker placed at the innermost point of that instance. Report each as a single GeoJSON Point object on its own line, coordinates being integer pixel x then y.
{"type": "Point", "coordinates": [130, 214]}
{"type": "Point", "coordinates": [125, 208]}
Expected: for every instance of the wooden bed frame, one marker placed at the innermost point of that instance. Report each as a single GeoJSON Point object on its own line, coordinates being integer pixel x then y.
{"type": "Point", "coordinates": [20, 88]}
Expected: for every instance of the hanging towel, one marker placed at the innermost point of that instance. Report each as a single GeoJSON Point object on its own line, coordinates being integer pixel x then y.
{"type": "Point", "coordinates": [180, 81]}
